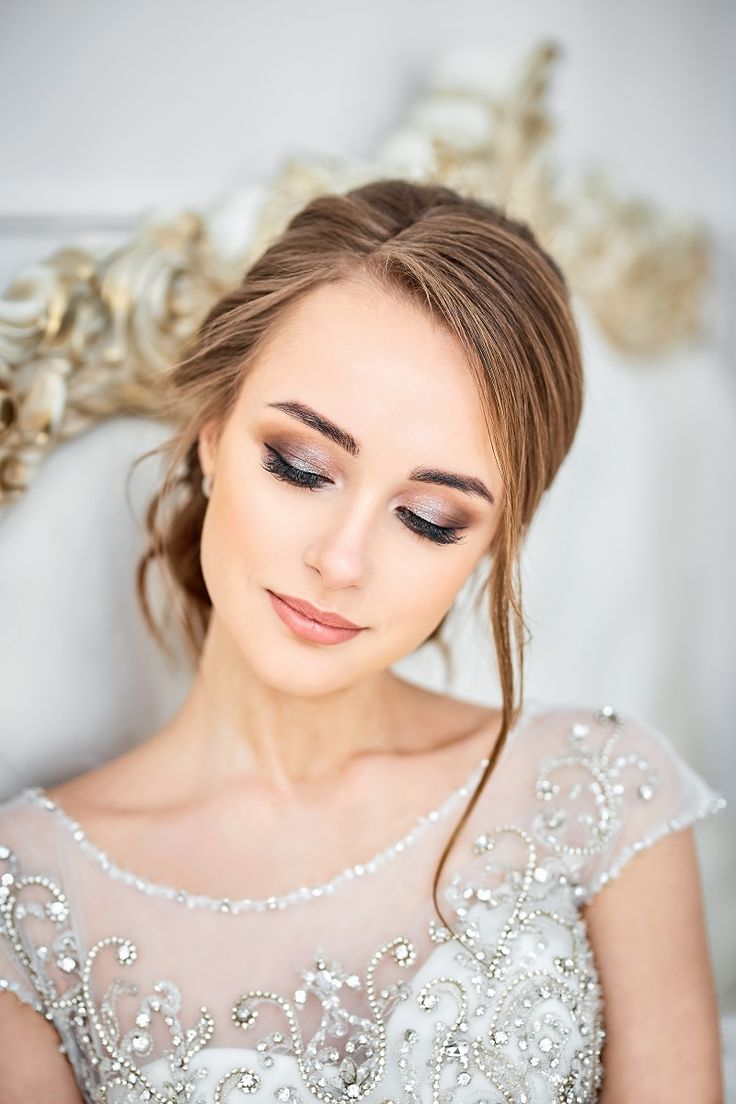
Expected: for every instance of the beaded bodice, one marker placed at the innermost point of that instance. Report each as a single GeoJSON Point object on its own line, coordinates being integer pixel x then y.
{"type": "Point", "coordinates": [355, 989]}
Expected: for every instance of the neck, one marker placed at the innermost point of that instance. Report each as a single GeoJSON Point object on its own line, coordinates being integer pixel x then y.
{"type": "Point", "coordinates": [243, 727]}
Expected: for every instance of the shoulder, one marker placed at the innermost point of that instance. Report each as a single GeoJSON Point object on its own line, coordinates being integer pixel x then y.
{"type": "Point", "coordinates": [648, 934]}
{"type": "Point", "coordinates": [643, 907]}
{"type": "Point", "coordinates": [620, 752]}
{"type": "Point", "coordinates": [34, 908]}
{"type": "Point", "coordinates": [614, 798]}
{"type": "Point", "coordinates": [599, 784]}
{"type": "Point", "coordinates": [29, 851]}
{"type": "Point", "coordinates": [21, 825]}
{"type": "Point", "coordinates": [130, 780]}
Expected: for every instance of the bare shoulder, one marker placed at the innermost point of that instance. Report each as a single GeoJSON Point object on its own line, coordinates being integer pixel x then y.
{"type": "Point", "coordinates": [109, 786]}
{"type": "Point", "coordinates": [437, 719]}
{"type": "Point", "coordinates": [648, 933]}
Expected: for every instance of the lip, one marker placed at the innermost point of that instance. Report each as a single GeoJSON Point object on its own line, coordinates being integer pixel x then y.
{"type": "Point", "coordinates": [305, 627]}
{"type": "Point", "coordinates": [333, 620]}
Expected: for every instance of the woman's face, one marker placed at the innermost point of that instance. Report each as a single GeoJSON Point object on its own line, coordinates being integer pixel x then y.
{"type": "Point", "coordinates": [402, 398]}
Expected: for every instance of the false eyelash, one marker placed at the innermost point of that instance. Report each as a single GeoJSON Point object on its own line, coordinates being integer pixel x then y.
{"type": "Point", "coordinates": [279, 467]}
{"type": "Point", "coordinates": [275, 463]}
{"type": "Point", "coordinates": [440, 534]}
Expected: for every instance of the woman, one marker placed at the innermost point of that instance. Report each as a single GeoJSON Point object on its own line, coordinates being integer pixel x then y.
{"type": "Point", "coordinates": [319, 881]}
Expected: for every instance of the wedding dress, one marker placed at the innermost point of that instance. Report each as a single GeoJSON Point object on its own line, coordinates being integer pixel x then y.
{"type": "Point", "coordinates": [355, 989]}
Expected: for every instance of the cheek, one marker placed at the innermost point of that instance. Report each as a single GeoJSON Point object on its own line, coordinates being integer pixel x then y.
{"type": "Point", "coordinates": [422, 588]}
{"type": "Point", "coordinates": [242, 538]}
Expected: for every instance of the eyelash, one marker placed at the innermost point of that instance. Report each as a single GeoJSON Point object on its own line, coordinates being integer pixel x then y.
{"type": "Point", "coordinates": [275, 463]}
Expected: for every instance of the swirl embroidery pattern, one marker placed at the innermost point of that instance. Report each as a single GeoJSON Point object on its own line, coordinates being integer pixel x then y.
{"type": "Point", "coordinates": [512, 1013]}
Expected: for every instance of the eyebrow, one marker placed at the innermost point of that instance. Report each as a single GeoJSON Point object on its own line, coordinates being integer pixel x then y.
{"type": "Point", "coordinates": [468, 484]}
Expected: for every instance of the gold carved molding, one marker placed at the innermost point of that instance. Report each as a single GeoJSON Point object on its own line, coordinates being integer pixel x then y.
{"type": "Point", "coordinates": [85, 337]}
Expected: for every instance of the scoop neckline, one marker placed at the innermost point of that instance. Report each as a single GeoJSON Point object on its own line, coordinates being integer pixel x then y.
{"type": "Point", "coordinates": [112, 869]}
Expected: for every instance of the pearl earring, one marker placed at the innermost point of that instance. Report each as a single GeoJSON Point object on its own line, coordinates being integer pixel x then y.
{"type": "Point", "coordinates": [206, 485]}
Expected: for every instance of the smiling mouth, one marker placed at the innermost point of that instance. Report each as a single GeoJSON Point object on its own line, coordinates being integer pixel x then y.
{"type": "Point", "coordinates": [306, 627]}
{"type": "Point", "coordinates": [319, 617]}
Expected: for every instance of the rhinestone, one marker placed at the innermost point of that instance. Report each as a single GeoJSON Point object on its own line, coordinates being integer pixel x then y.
{"type": "Point", "coordinates": [140, 1043]}
{"type": "Point", "coordinates": [456, 1049]}
{"type": "Point", "coordinates": [126, 953]}
{"type": "Point", "coordinates": [536, 889]}
{"type": "Point", "coordinates": [57, 911]}
{"type": "Point", "coordinates": [244, 1014]}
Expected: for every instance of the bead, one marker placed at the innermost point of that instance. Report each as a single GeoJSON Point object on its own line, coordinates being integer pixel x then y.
{"type": "Point", "coordinates": [517, 1002]}
{"type": "Point", "coordinates": [257, 904]}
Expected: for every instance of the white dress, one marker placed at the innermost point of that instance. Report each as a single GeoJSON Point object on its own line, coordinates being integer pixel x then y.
{"type": "Point", "coordinates": [355, 990]}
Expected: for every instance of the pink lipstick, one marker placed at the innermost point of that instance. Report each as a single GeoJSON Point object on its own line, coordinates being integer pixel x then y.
{"type": "Point", "coordinates": [311, 623]}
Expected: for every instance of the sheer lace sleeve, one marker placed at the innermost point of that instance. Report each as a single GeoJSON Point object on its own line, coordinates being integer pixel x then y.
{"type": "Point", "coordinates": [31, 909]}
{"type": "Point", "coordinates": [616, 787]}
{"type": "Point", "coordinates": [14, 972]}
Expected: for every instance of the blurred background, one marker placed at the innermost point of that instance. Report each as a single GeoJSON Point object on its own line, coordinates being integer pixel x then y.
{"type": "Point", "coordinates": [149, 149]}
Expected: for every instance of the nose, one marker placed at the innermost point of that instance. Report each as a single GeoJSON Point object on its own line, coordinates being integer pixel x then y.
{"type": "Point", "coordinates": [340, 554]}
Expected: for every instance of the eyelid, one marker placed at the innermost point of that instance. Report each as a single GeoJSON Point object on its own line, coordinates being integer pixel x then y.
{"type": "Point", "coordinates": [430, 509]}
{"type": "Point", "coordinates": [420, 526]}
{"type": "Point", "coordinates": [439, 513]}
{"type": "Point", "coordinates": [291, 453]}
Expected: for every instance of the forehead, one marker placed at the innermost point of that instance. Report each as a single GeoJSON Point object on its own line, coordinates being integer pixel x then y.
{"type": "Point", "coordinates": [379, 367]}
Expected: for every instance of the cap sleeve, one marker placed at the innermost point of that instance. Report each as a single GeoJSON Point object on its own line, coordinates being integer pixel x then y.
{"type": "Point", "coordinates": [33, 910]}
{"type": "Point", "coordinates": [14, 971]}
{"type": "Point", "coordinates": [614, 788]}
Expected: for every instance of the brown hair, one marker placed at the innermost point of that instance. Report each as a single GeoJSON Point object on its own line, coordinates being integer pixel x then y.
{"type": "Point", "coordinates": [477, 272]}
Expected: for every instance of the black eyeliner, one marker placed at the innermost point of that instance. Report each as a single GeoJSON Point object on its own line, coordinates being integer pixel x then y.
{"type": "Point", "coordinates": [280, 468]}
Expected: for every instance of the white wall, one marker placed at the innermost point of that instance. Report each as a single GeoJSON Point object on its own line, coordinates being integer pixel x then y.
{"type": "Point", "coordinates": [109, 107]}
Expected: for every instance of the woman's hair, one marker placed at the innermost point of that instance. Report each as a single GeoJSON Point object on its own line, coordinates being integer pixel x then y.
{"type": "Point", "coordinates": [472, 269]}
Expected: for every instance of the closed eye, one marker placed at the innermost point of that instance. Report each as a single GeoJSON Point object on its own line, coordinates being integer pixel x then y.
{"type": "Point", "coordinates": [280, 468]}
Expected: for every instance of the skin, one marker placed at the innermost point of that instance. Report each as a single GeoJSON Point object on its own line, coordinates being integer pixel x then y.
{"type": "Point", "coordinates": [648, 932]}
{"type": "Point", "coordinates": [298, 735]}
{"type": "Point", "coordinates": [290, 709]}
{"type": "Point", "coordinates": [303, 736]}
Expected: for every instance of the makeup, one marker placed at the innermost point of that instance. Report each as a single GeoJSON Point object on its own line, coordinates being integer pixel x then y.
{"type": "Point", "coordinates": [306, 627]}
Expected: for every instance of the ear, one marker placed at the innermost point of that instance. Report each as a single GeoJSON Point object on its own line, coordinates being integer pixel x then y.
{"type": "Point", "coordinates": [207, 447]}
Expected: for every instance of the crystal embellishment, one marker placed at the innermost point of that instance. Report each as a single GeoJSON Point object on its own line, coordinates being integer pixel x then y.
{"type": "Point", "coordinates": [506, 1007]}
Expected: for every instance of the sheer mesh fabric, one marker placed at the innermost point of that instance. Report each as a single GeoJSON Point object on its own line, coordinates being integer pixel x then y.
{"type": "Point", "coordinates": [359, 992]}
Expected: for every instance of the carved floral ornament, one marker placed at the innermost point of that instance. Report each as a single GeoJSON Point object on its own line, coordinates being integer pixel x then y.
{"type": "Point", "coordinates": [86, 337]}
